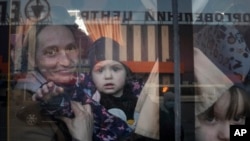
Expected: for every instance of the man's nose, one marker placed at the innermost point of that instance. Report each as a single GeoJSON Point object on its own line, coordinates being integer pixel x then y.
{"type": "Point", "coordinates": [224, 131]}
{"type": "Point", "coordinates": [64, 59]}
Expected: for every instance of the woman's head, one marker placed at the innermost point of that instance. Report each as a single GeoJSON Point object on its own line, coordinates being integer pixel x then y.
{"type": "Point", "coordinates": [57, 53]}
{"type": "Point", "coordinates": [109, 74]}
{"type": "Point", "coordinates": [230, 109]}
{"type": "Point", "coordinates": [54, 51]}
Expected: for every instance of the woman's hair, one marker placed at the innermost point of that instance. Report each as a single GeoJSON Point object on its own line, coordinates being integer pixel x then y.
{"type": "Point", "coordinates": [39, 28]}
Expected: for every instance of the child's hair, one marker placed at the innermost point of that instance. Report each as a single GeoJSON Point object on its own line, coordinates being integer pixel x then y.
{"type": "Point", "coordinates": [235, 91]}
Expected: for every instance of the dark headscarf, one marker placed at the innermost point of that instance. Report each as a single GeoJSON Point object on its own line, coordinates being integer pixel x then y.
{"type": "Point", "coordinates": [97, 50]}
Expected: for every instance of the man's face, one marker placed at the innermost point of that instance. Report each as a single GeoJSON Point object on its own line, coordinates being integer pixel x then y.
{"type": "Point", "coordinates": [57, 54]}
{"type": "Point", "coordinates": [109, 77]}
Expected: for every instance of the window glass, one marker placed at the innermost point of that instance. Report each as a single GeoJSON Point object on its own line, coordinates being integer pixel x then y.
{"type": "Point", "coordinates": [182, 65]}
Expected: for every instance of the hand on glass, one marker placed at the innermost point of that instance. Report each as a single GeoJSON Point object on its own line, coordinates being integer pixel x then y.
{"type": "Point", "coordinates": [46, 91]}
{"type": "Point", "coordinates": [81, 126]}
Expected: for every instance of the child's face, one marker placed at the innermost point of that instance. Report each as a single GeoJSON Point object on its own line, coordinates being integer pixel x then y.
{"type": "Point", "coordinates": [213, 124]}
{"type": "Point", "coordinates": [109, 77]}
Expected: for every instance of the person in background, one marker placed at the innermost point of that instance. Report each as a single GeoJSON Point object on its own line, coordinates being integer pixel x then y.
{"type": "Point", "coordinates": [167, 118]}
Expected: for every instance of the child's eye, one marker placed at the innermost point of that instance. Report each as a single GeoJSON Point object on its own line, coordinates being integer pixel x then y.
{"type": "Point", "coordinates": [210, 119]}
{"type": "Point", "coordinates": [238, 119]}
{"type": "Point", "coordinates": [98, 69]}
{"type": "Point", "coordinates": [116, 68]}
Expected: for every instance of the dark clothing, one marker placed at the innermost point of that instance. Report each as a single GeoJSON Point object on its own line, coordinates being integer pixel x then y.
{"type": "Point", "coordinates": [106, 126]}
{"type": "Point", "coordinates": [126, 103]}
